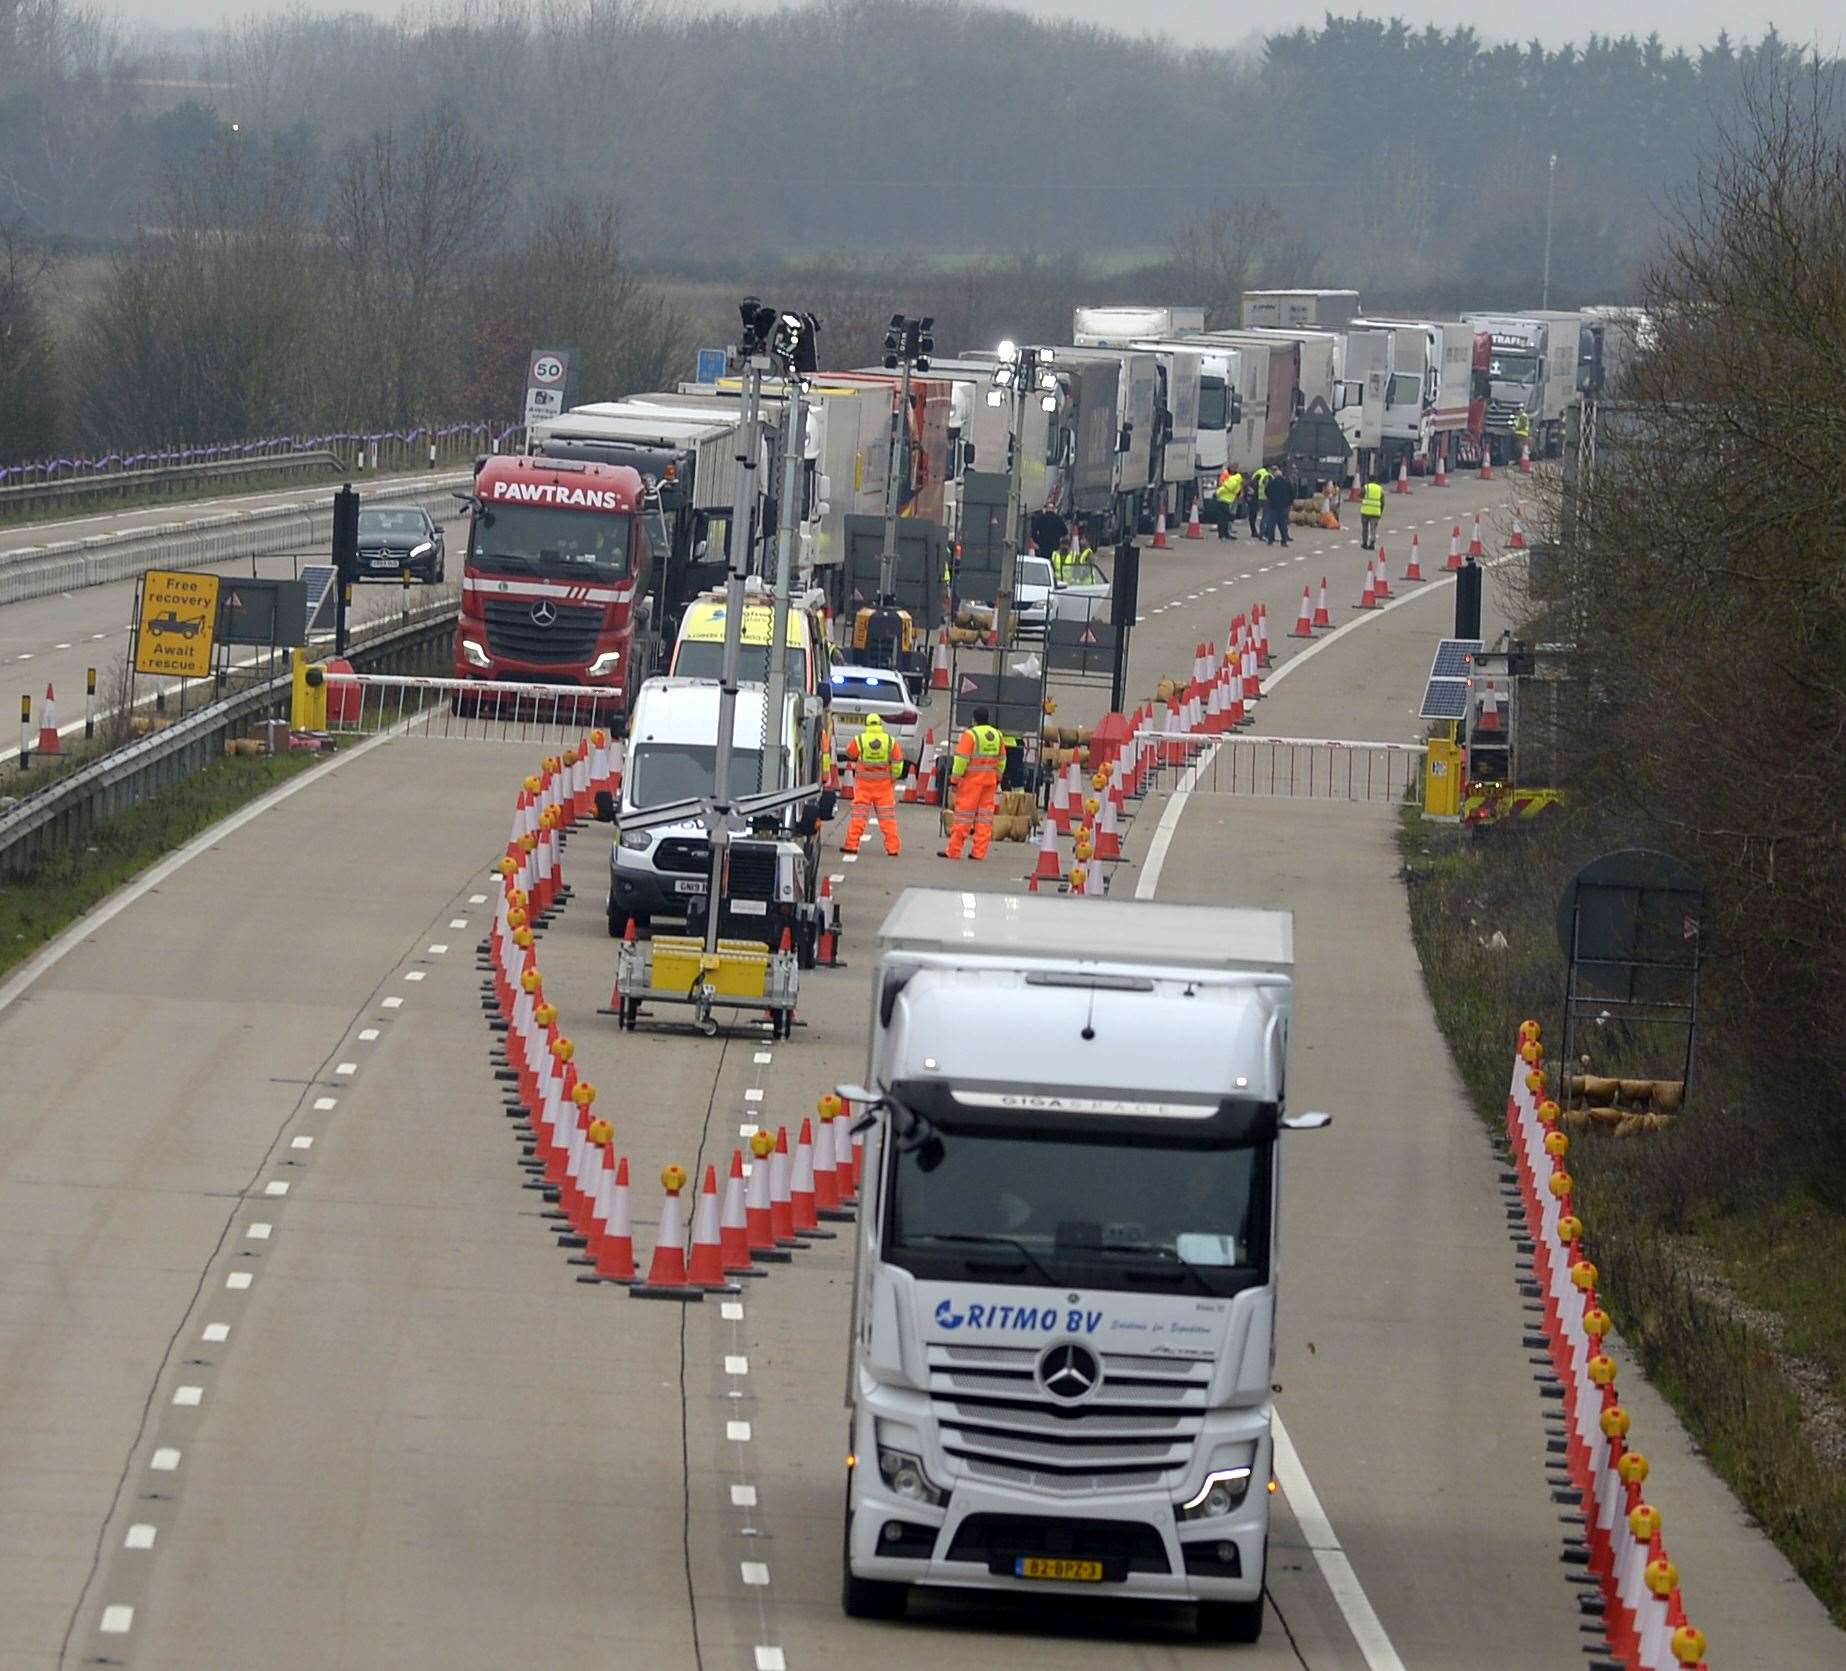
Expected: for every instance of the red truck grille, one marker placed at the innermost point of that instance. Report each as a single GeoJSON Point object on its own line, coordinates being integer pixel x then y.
{"type": "Point", "coordinates": [541, 631]}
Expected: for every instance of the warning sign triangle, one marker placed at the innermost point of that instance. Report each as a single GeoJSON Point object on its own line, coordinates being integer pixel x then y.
{"type": "Point", "coordinates": [1087, 636]}
{"type": "Point", "coordinates": [968, 686]}
{"type": "Point", "coordinates": [234, 602]}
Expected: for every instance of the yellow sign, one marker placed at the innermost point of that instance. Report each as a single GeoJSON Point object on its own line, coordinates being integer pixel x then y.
{"type": "Point", "coordinates": [179, 615]}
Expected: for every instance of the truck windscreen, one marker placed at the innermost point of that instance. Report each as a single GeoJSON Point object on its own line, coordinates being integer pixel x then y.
{"type": "Point", "coordinates": [1214, 409]}
{"type": "Point", "coordinates": [1062, 1210]}
{"type": "Point", "coordinates": [547, 539]}
{"type": "Point", "coordinates": [1513, 368]}
{"type": "Point", "coordinates": [663, 772]}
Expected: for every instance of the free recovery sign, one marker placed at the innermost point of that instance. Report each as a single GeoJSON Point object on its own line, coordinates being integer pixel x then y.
{"type": "Point", "coordinates": [179, 616]}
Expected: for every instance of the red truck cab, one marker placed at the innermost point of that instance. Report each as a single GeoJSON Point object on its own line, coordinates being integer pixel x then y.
{"type": "Point", "coordinates": [557, 578]}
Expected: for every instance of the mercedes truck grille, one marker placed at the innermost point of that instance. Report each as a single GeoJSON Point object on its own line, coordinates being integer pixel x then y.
{"type": "Point", "coordinates": [545, 632]}
{"type": "Point", "coordinates": [1139, 1424]}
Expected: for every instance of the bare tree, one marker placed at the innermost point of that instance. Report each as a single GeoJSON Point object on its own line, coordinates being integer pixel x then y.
{"type": "Point", "coordinates": [28, 381]}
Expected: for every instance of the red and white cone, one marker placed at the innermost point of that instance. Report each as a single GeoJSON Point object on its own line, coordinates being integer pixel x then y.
{"type": "Point", "coordinates": [781, 1197]}
{"type": "Point", "coordinates": [1262, 635]}
{"type": "Point", "coordinates": [939, 662]}
{"type": "Point", "coordinates": [759, 1218]}
{"type": "Point", "coordinates": [1442, 467]}
{"type": "Point", "coordinates": [1454, 561]}
{"type": "Point", "coordinates": [48, 724]}
{"type": "Point", "coordinates": [1304, 622]}
{"type": "Point", "coordinates": [1368, 599]}
{"type": "Point", "coordinates": [1323, 616]}
{"type": "Point", "coordinates": [1402, 485]}
{"type": "Point", "coordinates": [801, 1187]}
{"type": "Point", "coordinates": [1108, 831]}
{"type": "Point", "coordinates": [1381, 581]}
{"type": "Point", "coordinates": [1525, 458]}
{"type": "Point", "coordinates": [615, 1249]}
{"type": "Point", "coordinates": [929, 791]}
{"type": "Point", "coordinates": [733, 1224]}
{"type": "Point", "coordinates": [1518, 540]}
{"type": "Point", "coordinates": [1050, 866]}
{"type": "Point", "coordinates": [1354, 492]}
{"type": "Point", "coordinates": [1161, 543]}
{"type": "Point", "coordinates": [1194, 528]}
{"type": "Point", "coordinates": [1486, 459]}
{"type": "Point", "coordinates": [1476, 549]}
{"type": "Point", "coordinates": [666, 1273]}
{"type": "Point", "coordinates": [1414, 569]}
{"type": "Point", "coordinates": [827, 1169]}
{"type": "Point", "coordinates": [707, 1270]}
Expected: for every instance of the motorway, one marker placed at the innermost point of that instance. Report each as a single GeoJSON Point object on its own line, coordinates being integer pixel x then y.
{"type": "Point", "coordinates": [295, 1376]}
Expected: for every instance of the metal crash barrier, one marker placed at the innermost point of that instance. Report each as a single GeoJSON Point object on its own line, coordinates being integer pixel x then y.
{"type": "Point", "coordinates": [454, 709]}
{"type": "Point", "coordinates": [1313, 768]}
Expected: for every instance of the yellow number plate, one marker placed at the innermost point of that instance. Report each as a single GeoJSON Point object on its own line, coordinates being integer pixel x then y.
{"type": "Point", "coordinates": [1068, 1572]}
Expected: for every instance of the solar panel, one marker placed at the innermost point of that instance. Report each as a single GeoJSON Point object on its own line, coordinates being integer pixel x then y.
{"type": "Point", "coordinates": [1444, 699]}
{"type": "Point", "coordinates": [1454, 658]}
{"type": "Point", "coordinates": [319, 579]}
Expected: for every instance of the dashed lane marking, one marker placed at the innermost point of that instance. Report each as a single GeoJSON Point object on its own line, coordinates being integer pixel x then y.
{"type": "Point", "coordinates": [215, 1334]}
{"type": "Point", "coordinates": [118, 1619]}
{"type": "Point", "coordinates": [367, 1034]}
{"type": "Point", "coordinates": [732, 1312]}
{"type": "Point", "coordinates": [323, 1105]}
{"type": "Point", "coordinates": [259, 1232]}
{"type": "Point", "coordinates": [188, 1398]}
{"type": "Point", "coordinates": [754, 1572]}
{"type": "Point", "coordinates": [275, 1186]}
{"type": "Point", "coordinates": [437, 951]}
{"type": "Point", "coordinates": [414, 975]}
{"type": "Point", "coordinates": [477, 899]}
{"type": "Point", "coordinates": [770, 1659]}
{"type": "Point", "coordinates": [302, 1143]}
{"type": "Point", "coordinates": [737, 1432]}
{"type": "Point", "coordinates": [458, 922]}
{"type": "Point", "coordinates": [743, 1496]}
{"type": "Point", "coordinates": [239, 1279]}
{"type": "Point", "coordinates": [391, 1003]}
{"type": "Point", "coordinates": [140, 1536]}
{"type": "Point", "coordinates": [763, 1058]}
{"type": "Point", "coordinates": [346, 1070]}
{"type": "Point", "coordinates": [165, 1460]}
{"type": "Point", "coordinates": [735, 1365]}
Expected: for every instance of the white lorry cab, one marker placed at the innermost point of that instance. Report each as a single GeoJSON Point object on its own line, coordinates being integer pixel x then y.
{"type": "Point", "coordinates": [1064, 1298]}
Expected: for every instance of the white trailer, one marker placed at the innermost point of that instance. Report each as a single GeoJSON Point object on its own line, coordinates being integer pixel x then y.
{"type": "Point", "coordinates": [1110, 327]}
{"type": "Point", "coordinates": [1365, 381]}
{"type": "Point", "coordinates": [1318, 310]}
{"type": "Point", "coordinates": [1065, 1282]}
{"type": "Point", "coordinates": [1427, 417]}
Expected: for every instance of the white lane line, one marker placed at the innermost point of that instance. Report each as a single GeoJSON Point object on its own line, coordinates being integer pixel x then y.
{"type": "Point", "coordinates": [118, 1620]}
{"type": "Point", "coordinates": [462, 922]}
{"type": "Point", "coordinates": [367, 1034]}
{"type": "Point", "coordinates": [188, 1398]}
{"type": "Point", "coordinates": [302, 1143]}
{"type": "Point", "coordinates": [346, 1069]}
{"type": "Point", "coordinates": [763, 1058]}
{"type": "Point", "coordinates": [754, 1094]}
{"type": "Point", "coordinates": [743, 1496]}
{"type": "Point", "coordinates": [239, 1279]}
{"type": "Point", "coordinates": [754, 1572]}
{"type": "Point", "coordinates": [258, 1232]}
{"type": "Point", "coordinates": [737, 1432]}
{"type": "Point", "coordinates": [60, 646]}
{"type": "Point", "coordinates": [414, 975]}
{"type": "Point", "coordinates": [477, 899]}
{"type": "Point", "coordinates": [437, 951]}
{"type": "Point", "coordinates": [1335, 1568]}
{"type": "Point", "coordinates": [770, 1659]}
{"type": "Point", "coordinates": [165, 1460]}
{"type": "Point", "coordinates": [140, 1536]}
{"type": "Point", "coordinates": [215, 1334]}
{"type": "Point", "coordinates": [391, 1003]}
{"type": "Point", "coordinates": [275, 1186]}
{"type": "Point", "coordinates": [323, 1105]}
{"type": "Point", "coordinates": [731, 1311]}
{"type": "Point", "coordinates": [747, 1130]}
{"type": "Point", "coordinates": [735, 1365]}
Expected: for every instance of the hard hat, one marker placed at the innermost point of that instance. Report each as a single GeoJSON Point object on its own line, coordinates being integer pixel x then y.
{"type": "Point", "coordinates": [874, 723]}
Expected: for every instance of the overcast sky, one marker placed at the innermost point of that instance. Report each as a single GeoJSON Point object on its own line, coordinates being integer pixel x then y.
{"type": "Point", "coordinates": [1213, 23]}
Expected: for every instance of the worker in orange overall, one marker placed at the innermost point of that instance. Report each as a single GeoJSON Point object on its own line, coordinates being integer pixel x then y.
{"type": "Point", "coordinates": [878, 761]}
{"type": "Point", "coordinates": [979, 757]}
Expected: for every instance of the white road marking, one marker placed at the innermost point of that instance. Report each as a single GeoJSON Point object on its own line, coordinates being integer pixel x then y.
{"type": "Point", "coordinates": [258, 1232]}
{"type": "Point", "coordinates": [367, 1034]}
{"type": "Point", "coordinates": [477, 899]}
{"type": "Point", "coordinates": [302, 1143]}
{"type": "Point", "coordinates": [346, 1069]}
{"type": "Point", "coordinates": [414, 975]}
{"type": "Point", "coordinates": [437, 951]}
{"type": "Point", "coordinates": [164, 1460]}
{"type": "Point", "coordinates": [215, 1333]}
{"type": "Point", "coordinates": [275, 1186]}
{"type": "Point", "coordinates": [27, 656]}
{"type": "Point", "coordinates": [323, 1104]}
{"type": "Point", "coordinates": [60, 646]}
{"type": "Point", "coordinates": [731, 1311]}
{"type": "Point", "coordinates": [754, 1572]}
{"type": "Point", "coordinates": [118, 1620]}
{"type": "Point", "coordinates": [391, 1003]}
{"type": "Point", "coordinates": [239, 1279]}
{"type": "Point", "coordinates": [735, 1365]}
{"type": "Point", "coordinates": [188, 1398]}
{"type": "Point", "coordinates": [770, 1659]}
{"type": "Point", "coordinates": [737, 1432]}
{"type": "Point", "coordinates": [140, 1536]}
{"type": "Point", "coordinates": [458, 922]}
{"type": "Point", "coordinates": [762, 1058]}
{"type": "Point", "coordinates": [743, 1496]}
{"type": "Point", "coordinates": [754, 1094]}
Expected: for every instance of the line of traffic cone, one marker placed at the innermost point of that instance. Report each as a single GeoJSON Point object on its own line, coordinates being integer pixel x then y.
{"type": "Point", "coordinates": [667, 1275]}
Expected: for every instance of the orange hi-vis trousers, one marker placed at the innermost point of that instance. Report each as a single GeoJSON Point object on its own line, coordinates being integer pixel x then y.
{"type": "Point", "coordinates": [873, 790]}
{"type": "Point", "coordinates": [976, 792]}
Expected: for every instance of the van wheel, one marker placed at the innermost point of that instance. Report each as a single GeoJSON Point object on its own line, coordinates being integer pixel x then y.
{"type": "Point", "coordinates": [868, 1598]}
{"type": "Point", "coordinates": [618, 923]}
{"type": "Point", "coordinates": [1231, 1621]}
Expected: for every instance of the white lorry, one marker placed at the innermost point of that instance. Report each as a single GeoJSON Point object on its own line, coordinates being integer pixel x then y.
{"type": "Point", "coordinates": [1315, 310]}
{"type": "Point", "coordinates": [1532, 369]}
{"type": "Point", "coordinates": [1064, 1296]}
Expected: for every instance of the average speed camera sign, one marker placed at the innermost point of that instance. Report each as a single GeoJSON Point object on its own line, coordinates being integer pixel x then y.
{"type": "Point", "coordinates": [547, 383]}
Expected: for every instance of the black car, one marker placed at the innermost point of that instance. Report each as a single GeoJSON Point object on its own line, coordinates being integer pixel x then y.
{"type": "Point", "coordinates": [399, 539]}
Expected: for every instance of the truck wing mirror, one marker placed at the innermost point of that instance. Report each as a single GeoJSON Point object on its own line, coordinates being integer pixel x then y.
{"type": "Point", "coordinates": [857, 1093]}
{"type": "Point", "coordinates": [605, 807]}
{"type": "Point", "coordinates": [1306, 1122]}
{"type": "Point", "coordinates": [826, 806]}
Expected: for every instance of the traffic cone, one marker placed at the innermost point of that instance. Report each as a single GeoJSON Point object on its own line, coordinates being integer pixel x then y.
{"type": "Point", "coordinates": [48, 724]}
{"type": "Point", "coordinates": [1368, 599]}
{"type": "Point", "coordinates": [1194, 529]}
{"type": "Point", "coordinates": [781, 1198]}
{"type": "Point", "coordinates": [759, 1216]}
{"type": "Point", "coordinates": [1525, 458]}
{"type": "Point", "coordinates": [1476, 550]}
{"type": "Point", "coordinates": [1442, 467]}
{"type": "Point", "coordinates": [1322, 616]}
{"type": "Point", "coordinates": [827, 944]}
{"type": "Point", "coordinates": [826, 1179]}
{"type": "Point", "coordinates": [1414, 569]}
{"type": "Point", "coordinates": [1486, 459]}
{"type": "Point", "coordinates": [1262, 635]}
{"type": "Point", "coordinates": [1382, 584]}
{"type": "Point", "coordinates": [1402, 484]}
{"type": "Point", "coordinates": [1095, 885]}
{"type": "Point", "coordinates": [939, 662]}
{"type": "Point", "coordinates": [929, 790]}
{"type": "Point", "coordinates": [1518, 540]}
{"type": "Point", "coordinates": [666, 1273]}
{"type": "Point", "coordinates": [1050, 864]}
{"type": "Point", "coordinates": [615, 1249]}
{"type": "Point", "coordinates": [801, 1187]}
{"type": "Point", "coordinates": [615, 991]}
{"type": "Point", "coordinates": [1304, 622]}
{"type": "Point", "coordinates": [1354, 493]}
{"type": "Point", "coordinates": [1160, 530]}
{"type": "Point", "coordinates": [707, 1270]}
{"type": "Point", "coordinates": [1454, 561]}
{"type": "Point", "coordinates": [733, 1224]}
{"type": "Point", "coordinates": [1108, 831]}
{"type": "Point", "coordinates": [1490, 722]}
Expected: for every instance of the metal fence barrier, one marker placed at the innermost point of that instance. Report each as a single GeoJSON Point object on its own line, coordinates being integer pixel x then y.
{"type": "Point", "coordinates": [1313, 768]}
{"type": "Point", "coordinates": [478, 710]}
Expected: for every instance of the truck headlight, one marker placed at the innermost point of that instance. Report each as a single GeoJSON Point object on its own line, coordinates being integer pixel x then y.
{"type": "Point", "coordinates": [605, 664]}
{"type": "Point", "coordinates": [1223, 1490]}
{"type": "Point", "coordinates": [474, 655]}
{"type": "Point", "coordinates": [903, 1475]}
{"type": "Point", "coordinates": [636, 841]}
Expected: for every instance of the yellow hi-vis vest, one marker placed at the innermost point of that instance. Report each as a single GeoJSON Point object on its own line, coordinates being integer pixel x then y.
{"type": "Point", "coordinates": [1230, 486]}
{"type": "Point", "coordinates": [1373, 502]}
{"type": "Point", "coordinates": [981, 749]}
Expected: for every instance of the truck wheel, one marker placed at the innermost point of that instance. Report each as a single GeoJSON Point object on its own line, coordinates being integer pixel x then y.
{"type": "Point", "coordinates": [867, 1598]}
{"type": "Point", "coordinates": [1231, 1621]}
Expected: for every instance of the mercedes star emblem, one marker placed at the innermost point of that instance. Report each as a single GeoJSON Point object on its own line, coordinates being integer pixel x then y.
{"type": "Point", "coordinates": [544, 612]}
{"type": "Point", "coordinates": [1069, 1371]}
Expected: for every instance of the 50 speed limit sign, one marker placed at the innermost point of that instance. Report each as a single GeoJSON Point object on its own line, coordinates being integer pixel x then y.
{"type": "Point", "coordinates": [548, 368]}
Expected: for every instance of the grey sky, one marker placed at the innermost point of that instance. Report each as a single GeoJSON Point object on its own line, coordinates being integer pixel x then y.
{"type": "Point", "coordinates": [1212, 23]}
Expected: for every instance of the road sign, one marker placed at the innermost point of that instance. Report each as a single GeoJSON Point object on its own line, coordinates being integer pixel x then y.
{"type": "Point", "coordinates": [263, 612]}
{"type": "Point", "coordinates": [176, 626]}
{"type": "Point", "coordinates": [711, 365]}
{"type": "Point", "coordinates": [548, 384]}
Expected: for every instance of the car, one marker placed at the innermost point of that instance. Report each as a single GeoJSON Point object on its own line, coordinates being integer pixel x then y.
{"type": "Point", "coordinates": [1033, 584]}
{"type": "Point", "coordinates": [861, 691]}
{"type": "Point", "coordinates": [395, 540]}
{"type": "Point", "coordinates": [187, 626]}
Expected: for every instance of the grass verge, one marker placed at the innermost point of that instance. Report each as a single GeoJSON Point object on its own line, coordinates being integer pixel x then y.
{"type": "Point", "coordinates": [1716, 1294]}
{"type": "Point", "coordinates": [36, 907]}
